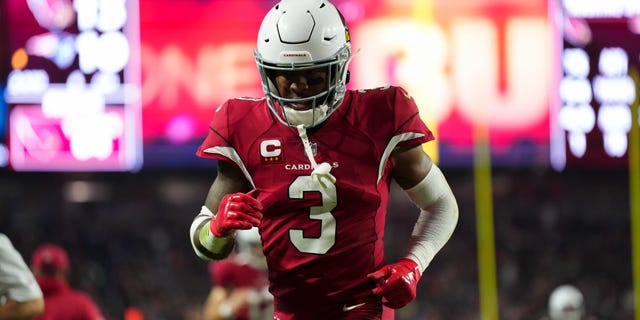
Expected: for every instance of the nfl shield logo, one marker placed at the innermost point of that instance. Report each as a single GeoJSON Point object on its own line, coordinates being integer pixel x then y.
{"type": "Point", "coordinates": [314, 149]}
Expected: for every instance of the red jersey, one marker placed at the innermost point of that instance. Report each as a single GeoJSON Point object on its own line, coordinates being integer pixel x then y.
{"type": "Point", "coordinates": [61, 302]}
{"type": "Point", "coordinates": [234, 273]}
{"type": "Point", "coordinates": [320, 243]}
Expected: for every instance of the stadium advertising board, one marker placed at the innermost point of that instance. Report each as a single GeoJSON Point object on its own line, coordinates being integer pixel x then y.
{"type": "Point", "coordinates": [72, 88]}
{"type": "Point", "coordinates": [598, 51]}
{"type": "Point", "coordinates": [483, 61]}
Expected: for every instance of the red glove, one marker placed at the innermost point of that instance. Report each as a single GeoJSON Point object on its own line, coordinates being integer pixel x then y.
{"type": "Point", "coordinates": [236, 211]}
{"type": "Point", "coordinates": [397, 282]}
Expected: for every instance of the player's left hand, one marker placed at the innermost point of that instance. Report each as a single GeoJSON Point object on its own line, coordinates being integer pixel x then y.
{"type": "Point", "coordinates": [397, 282]}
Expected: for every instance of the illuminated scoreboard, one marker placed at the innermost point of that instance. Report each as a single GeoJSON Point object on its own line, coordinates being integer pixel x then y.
{"type": "Point", "coordinates": [73, 88]}
{"type": "Point", "coordinates": [598, 62]}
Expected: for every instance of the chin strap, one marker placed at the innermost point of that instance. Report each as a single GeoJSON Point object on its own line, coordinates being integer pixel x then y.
{"type": "Point", "coordinates": [321, 171]}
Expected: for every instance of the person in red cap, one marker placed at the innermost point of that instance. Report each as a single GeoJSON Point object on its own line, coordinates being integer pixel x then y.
{"type": "Point", "coordinates": [50, 265]}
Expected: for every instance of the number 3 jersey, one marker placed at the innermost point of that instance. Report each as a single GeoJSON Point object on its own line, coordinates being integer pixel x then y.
{"type": "Point", "coordinates": [320, 238]}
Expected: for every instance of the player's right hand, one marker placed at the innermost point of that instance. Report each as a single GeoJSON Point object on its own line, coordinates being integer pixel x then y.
{"type": "Point", "coordinates": [236, 211]}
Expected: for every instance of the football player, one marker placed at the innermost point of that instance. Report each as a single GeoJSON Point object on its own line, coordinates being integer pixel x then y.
{"type": "Point", "coordinates": [310, 164]}
{"type": "Point", "coordinates": [239, 283]}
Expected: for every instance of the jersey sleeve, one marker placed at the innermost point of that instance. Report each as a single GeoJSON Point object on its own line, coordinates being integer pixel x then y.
{"type": "Point", "coordinates": [409, 126]}
{"type": "Point", "coordinates": [217, 140]}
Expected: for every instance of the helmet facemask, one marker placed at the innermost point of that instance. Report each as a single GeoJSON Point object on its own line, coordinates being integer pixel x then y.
{"type": "Point", "coordinates": [322, 104]}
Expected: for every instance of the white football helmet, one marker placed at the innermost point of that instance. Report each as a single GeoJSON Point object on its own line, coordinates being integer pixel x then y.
{"type": "Point", "coordinates": [300, 35]}
{"type": "Point", "coordinates": [566, 303]}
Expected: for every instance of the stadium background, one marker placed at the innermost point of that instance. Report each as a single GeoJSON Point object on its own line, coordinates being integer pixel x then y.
{"type": "Point", "coordinates": [496, 80]}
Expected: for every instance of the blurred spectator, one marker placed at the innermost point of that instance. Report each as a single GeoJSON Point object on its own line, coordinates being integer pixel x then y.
{"type": "Point", "coordinates": [50, 265]}
{"type": "Point", "coordinates": [20, 296]}
{"type": "Point", "coordinates": [239, 284]}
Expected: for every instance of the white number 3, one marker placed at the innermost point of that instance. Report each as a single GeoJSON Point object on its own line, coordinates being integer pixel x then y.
{"type": "Point", "coordinates": [322, 213]}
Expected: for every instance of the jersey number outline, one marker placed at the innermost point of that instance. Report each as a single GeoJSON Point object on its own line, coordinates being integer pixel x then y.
{"type": "Point", "coordinates": [322, 213]}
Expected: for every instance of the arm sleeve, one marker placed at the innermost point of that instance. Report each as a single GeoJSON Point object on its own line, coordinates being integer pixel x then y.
{"type": "Point", "coordinates": [16, 280]}
{"type": "Point", "coordinates": [437, 220]}
{"type": "Point", "coordinates": [204, 243]}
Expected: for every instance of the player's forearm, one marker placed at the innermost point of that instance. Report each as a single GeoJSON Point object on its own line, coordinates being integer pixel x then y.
{"type": "Point", "coordinates": [206, 245]}
{"type": "Point", "coordinates": [437, 220]}
{"type": "Point", "coordinates": [21, 309]}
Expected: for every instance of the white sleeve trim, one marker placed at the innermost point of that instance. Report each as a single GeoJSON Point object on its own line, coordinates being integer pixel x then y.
{"type": "Point", "coordinates": [392, 145]}
{"type": "Point", "coordinates": [232, 154]}
{"type": "Point", "coordinates": [437, 220]}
